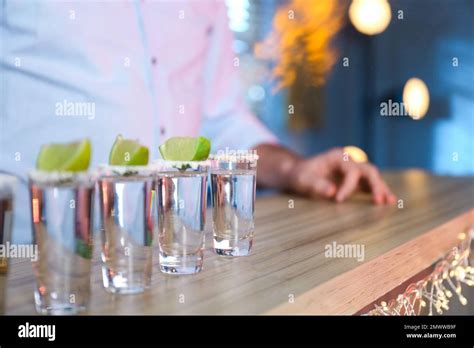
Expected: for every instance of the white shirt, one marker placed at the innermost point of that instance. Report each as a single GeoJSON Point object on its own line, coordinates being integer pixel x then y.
{"type": "Point", "coordinates": [147, 70]}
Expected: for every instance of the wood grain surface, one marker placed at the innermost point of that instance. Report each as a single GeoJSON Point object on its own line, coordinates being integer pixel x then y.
{"type": "Point", "coordinates": [288, 272]}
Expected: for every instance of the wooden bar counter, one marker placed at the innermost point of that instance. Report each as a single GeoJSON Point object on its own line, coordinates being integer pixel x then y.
{"type": "Point", "coordinates": [288, 272]}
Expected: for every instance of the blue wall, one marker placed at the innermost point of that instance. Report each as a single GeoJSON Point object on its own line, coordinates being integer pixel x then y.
{"type": "Point", "coordinates": [423, 45]}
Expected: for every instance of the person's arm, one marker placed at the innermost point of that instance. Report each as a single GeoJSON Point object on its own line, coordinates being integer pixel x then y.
{"type": "Point", "coordinates": [275, 166]}
{"type": "Point", "coordinates": [330, 174]}
{"type": "Point", "coordinates": [229, 123]}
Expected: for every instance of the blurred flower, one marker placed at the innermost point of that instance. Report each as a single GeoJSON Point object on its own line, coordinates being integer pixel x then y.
{"type": "Point", "coordinates": [300, 42]}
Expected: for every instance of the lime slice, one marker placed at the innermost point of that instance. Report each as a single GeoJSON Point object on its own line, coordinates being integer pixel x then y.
{"type": "Point", "coordinates": [126, 152]}
{"type": "Point", "coordinates": [70, 157]}
{"type": "Point", "coordinates": [186, 149]}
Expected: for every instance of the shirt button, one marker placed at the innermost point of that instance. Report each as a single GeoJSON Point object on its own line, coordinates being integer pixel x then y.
{"type": "Point", "coordinates": [162, 131]}
{"type": "Point", "coordinates": [153, 60]}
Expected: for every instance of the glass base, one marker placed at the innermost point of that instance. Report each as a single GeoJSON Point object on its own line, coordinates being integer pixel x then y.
{"type": "Point", "coordinates": [118, 284]}
{"type": "Point", "coordinates": [231, 249]}
{"type": "Point", "coordinates": [57, 307]}
{"type": "Point", "coordinates": [187, 264]}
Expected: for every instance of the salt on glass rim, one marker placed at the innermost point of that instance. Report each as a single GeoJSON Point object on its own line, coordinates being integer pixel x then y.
{"type": "Point", "coordinates": [237, 157]}
{"type": "Point", "coordinates": [124, 170]}
{"type": "Point", "coordinates": [7, 184]}
{"type": "Point", "coordinates": [161, 164]}
{"type": "Point", "coordinates": [43, 177]}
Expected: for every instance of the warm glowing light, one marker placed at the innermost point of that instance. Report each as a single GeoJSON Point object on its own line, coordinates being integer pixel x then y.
{"type": "Point", "coordinates": [370, 16]}
{"type": "Point", "coordinates": [416, 98]}
{"type": "Point", "coordinates": [356, 154]}
{"type": "Point", "coordinates": [36, 210]}
{"type": "Point", "coordinates": [432, 291]}
{"type": "Point", "coordinates": [300, 42]}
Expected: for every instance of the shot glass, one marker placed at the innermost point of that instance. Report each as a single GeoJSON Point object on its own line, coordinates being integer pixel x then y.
{"type": "Point", "coordinates": [61, 210]}
{"type": "Point", "coordinates": [182, 194]}
{"type": "Point", "coordinates": [126, 206]}
{"type": "Point", "coordinates": [233, 183]}
{"type": "Point", "coordinates": [7, 187]}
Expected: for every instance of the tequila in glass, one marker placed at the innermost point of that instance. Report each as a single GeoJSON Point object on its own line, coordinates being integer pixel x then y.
{"type": "Point", "coordinates": [182, 194]}
{"type": "Point", "coordinates": [61, 210]}
{"type": "Point", "coordinates": [233, 183]}
{"type": "Point", "coordinates": [127, 221]}
{"type": "Point", "coordinates": [7, 184]}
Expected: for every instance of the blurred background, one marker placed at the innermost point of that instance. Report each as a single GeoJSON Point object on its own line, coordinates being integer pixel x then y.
{"type": "Point", "coordinates": [324, 73]}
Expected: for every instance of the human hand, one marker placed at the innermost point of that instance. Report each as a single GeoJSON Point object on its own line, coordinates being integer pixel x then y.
{"type": "Point", "coordinates": [334, 175]}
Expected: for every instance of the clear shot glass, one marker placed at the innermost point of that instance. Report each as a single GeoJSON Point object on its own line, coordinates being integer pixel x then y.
{"type": "Point", "coordinates": [61, 210]}
{"type": "Point", "coordinates": [126, 220]}
{"type": "Point", "coordinates": [233, 184]}
{"type": "Point", "coordinates": [182, 194]}
{"type": "Point", "coordinates": [7, 188]}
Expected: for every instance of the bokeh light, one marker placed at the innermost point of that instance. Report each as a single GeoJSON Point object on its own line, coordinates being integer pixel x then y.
{"type": "Point", "coordinates": [356, 154]}
{"type": "Point", "coordinates": [416, 98]}
{"type": "Point", "coordinates": [370, 16]}
{"type": "Point", "coordinates": [238, 12]}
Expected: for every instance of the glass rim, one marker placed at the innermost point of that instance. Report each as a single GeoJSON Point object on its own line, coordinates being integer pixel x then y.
{"type": "Point", "coordinates": [115, 170]}
{"type": "Point", "coordinates": [247, 157]}
{"type": "Point", "coordinates": [161, 164]}
{"type": "Point", "coordinates": [8, 183]}
{"type": "Point", "coordinates": [60, 177]}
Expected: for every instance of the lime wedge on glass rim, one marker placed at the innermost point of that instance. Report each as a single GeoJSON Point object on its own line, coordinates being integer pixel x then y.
{"type": "Point", "coordinates": [126, 152]}
{"type": "Point", "coordinates": [186, 149]}
{"type": "Point", "coordinates": [67, 157]}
